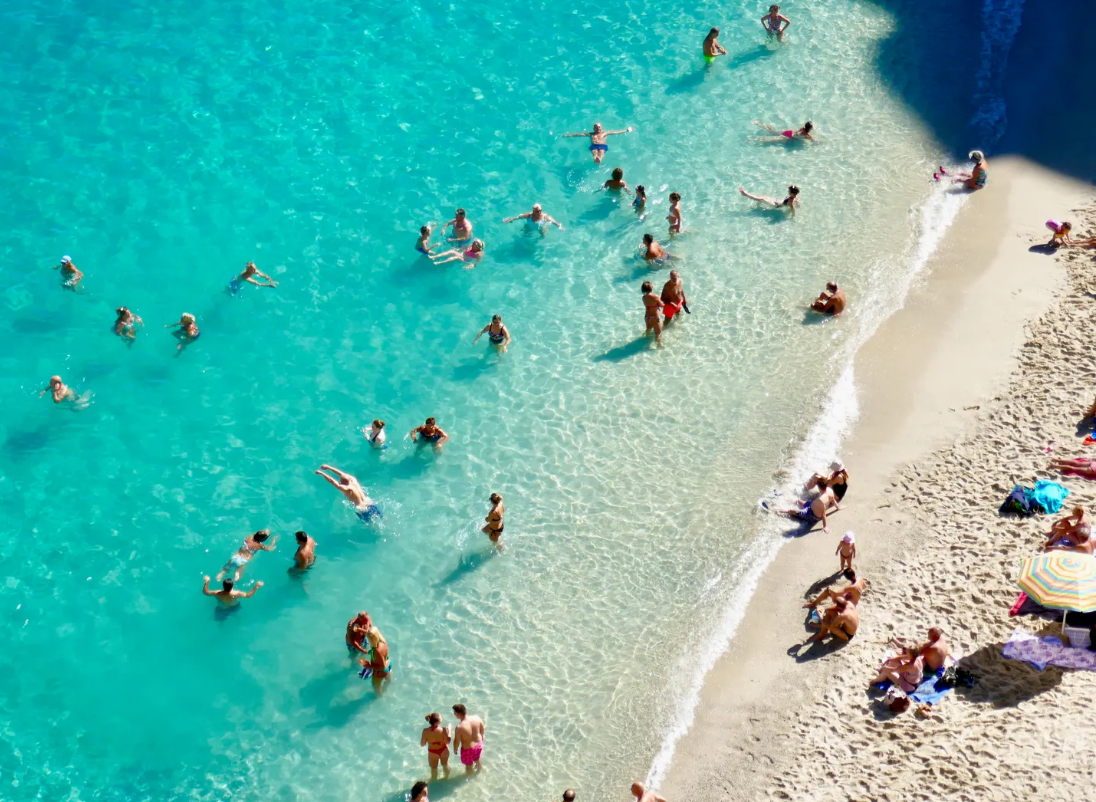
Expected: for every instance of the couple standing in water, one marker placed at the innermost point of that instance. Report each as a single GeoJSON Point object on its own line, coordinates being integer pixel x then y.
{"type": "Point", "coordinates": [467, 740]}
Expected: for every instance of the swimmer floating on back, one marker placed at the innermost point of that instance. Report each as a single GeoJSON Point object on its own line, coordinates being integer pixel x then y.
{"type": "Point", "coordinates": [598, 148]}
{"type": "Point", "coordinates": [787, 134]}
{"type": "Point", "coordinates": [496, 332]}
{"type": "Point", "coordinates": [470, 255]}
{"type": "Point", "coordinates": [351, 488]}
{"type": "Point", "coordinates": [789, 202]}
{"type": "Point", "coordinates": [712, 47]}
{"type": "Point", "coordinates": [250, 271]}
{"type": "Point", "coordinates": [535, 219]}
{"type": "Point", "coordinates": [70, 274]}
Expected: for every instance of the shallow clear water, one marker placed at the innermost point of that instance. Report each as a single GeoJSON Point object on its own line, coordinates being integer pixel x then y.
{"type": "Point", "coordinates": [162, 146]}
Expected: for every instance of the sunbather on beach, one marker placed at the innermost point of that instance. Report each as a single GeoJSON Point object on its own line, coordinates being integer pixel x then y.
{"type": "Point", "coordinates": [1084, 468]}
{"type": "Point", "coordinates": [843, 624]}
{"type": "Point", "coordinates": [1078, 540]}
{"type": "Point", "coordinates": [1068, 527]}
{"type": "Point", "coordinates": [976, 178]}
{"type": "Point", "coordinates": [846, 550]}
{"type": "Point", "coordinates": [837, 478]}
{"type": "Point", "coordinates": [906, 670]}
{"type": "Point", "coordinates": [935, 650]}
{"type": "Point", "coordinates": [851, 593]}
{"type": "Point", "coordinates": [810, 512]}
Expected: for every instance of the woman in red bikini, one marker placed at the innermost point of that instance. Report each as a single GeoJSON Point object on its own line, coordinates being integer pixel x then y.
{"type": "Point", "coordinates": [436, 740]}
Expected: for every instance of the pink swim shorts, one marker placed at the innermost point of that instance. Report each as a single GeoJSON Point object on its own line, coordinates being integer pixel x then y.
{"type": "Point", "coordinates": [471, 754]}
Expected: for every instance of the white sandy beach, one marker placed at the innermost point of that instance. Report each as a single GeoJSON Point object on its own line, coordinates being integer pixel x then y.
{"type": "Point", "coordinates": [989, 364]}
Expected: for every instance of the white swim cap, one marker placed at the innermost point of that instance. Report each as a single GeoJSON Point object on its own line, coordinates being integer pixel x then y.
{"type": "Point", "coordinates": [66, 259]}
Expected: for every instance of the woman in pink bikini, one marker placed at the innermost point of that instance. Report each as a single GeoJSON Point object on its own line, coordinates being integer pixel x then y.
{"type": "Point", "coordinates": [1084, 468]}
{"type": "Point", "coordinates": [470, 255]}
{"type": "Point", "coordinates": [786, 134]}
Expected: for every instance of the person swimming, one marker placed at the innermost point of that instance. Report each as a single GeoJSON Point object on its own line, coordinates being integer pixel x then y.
{"type": "Point", "coordinates": [186, 330]}
{"type": "Point", "coordinates": [788, 203]}
{"type": "Point", "coordinates": [347, 484]}
{"type": "Point", "coordinates": [59, 390]}
{"type": "Point", "coordinates": [422, 244]}
{"type": "Point", "coordinates": [496, 332]}
{"type": "Point", "coordinates": [535, 219]}
{"type": "Point", "coordinates": [470, 255]}
{"type": "Point", "coordinates": [430, 432]}
{"type": "Point", "coordinates": [616, 182]}
{"type": "Point", "coordinates": [775, 23]}
{"type": "Point", "coordinates": [251, 546]}
{"type": "Point", "coordinates": [711, 47]}
{"type": "Point", "coordinates": [126, 324]}
{"type": "Point", "coordinates": [248, 276]}
{"type": "Point", "coordinates": [640, 199]}
{"type": "Point", "coordinates": [70, 274]}
{"type": "Point", "coordinates": [598, 146]}
{"type": "Point", "coordinates": [305, 555]}
{"type": "Point", "coordinates": [787, 134]}
{"type": "Point", "coordinates": [376, 435]}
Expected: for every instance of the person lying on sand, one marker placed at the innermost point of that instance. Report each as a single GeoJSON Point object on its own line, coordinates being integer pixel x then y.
{"type": "Point", "coordinates": [851, 593]}
{"type": "Point", "coordinates": [810, 512]}
{"type": "Point", "coordinates": [843, 624]}
{"type": "Point", "coordinates": [1084, 468]}
{"type": "Point", "coordinates": [831, 301]}
{"type": "Point", "coordinates": [1067, 526]}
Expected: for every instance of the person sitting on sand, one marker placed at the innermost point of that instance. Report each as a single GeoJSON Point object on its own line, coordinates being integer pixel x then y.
{"type": "Point", "coordinates": [846, 550]}
{"type": "Point", "coordinates": [775, 23]}
{"type": "Point", "coordinates": [786, 134]}
{"type": "Point", "coordinates": [906, 670]}
{"type": "Point", "coordinates": [1078, 539]}
{"type": "Point", "coordinates": [788, 203]}
{"type": "Point", "coordinates": [712, 47]}
{"type": "Point", "coordinates": [831, 301]}
{"type": "Point", "coordinates": [1083, 468]}
{"type": "Point", "coordinates": [843, 624]}
{"type": "Point", "coordinates": [837, 479]}
{"type": "Point", "coordinates": [851, 593]}
{"type": "Point", "coordinates": [935, 650]}
{"type": "Point", "coordinates": [429, 432]}
{"type": "Point", "coordinates": [598, 146]}
{"type": "Point", "coordinates": [470, 255]}
{"type": "Point", "coordinates": [810, 512]}
{"type": "Point", "coordinates": [1060, 234]}
{"type": "Point", "coordinates": [976, 178]}
{"type": "Point", "coordinates": [616, 182]}
{"type": "Point", "coordinates": [536, 219]}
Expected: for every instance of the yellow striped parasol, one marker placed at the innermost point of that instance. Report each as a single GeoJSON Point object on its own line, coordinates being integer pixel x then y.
{"type": "Point", "coordinates": [1062, 580]}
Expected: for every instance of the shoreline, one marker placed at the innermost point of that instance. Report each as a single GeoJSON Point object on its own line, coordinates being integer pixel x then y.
{"type": "Point", "coordinates": [924, 380]}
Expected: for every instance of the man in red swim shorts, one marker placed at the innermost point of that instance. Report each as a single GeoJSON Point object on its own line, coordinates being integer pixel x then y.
{"type": "Point", "coordinates": [468, 738]}
{"type": "Point", "coordinates": [673, 297]}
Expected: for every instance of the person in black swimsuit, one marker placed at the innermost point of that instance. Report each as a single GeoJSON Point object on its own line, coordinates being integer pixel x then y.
{"type": "Point", "coordinates": [494, 519]}
{"type": "Point", "coordinates": [496, 332]}
{"type": "Point", "coordinates": [837, 480]}
{"type": "Point", "coordinates": [429, 432]}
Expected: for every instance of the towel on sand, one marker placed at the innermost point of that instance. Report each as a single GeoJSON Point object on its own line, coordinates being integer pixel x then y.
{"type": "Point", "coordinates": [1047, 652]}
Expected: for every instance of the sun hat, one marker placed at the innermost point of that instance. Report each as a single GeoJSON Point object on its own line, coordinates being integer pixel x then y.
{"type": "Point", "coordinates": [850, 537]}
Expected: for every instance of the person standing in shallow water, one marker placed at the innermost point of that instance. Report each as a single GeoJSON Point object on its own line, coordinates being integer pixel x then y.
{"type": "Point", "coordinates": [468, 738]}
{"type": "Point", "coordinates": [496, 332]}
{"type": "Point", "coordinates": [228, 596]}
{"type": "Point", "coordinates": [652, 305]}
{"type": "Point", "coordinates": [436, 739]}
{"type": "Point", "coordinates": [712, 47]}
{"type": "Point", "coordinates": [672, 297]}
{"type": "Point", "coordinates": [598, 146]}
{"type": "Point", "coordinates": [429, 432]}
{"type": "Point", "coordinates": [494, 526]}
{"type": "Point", "coordinates": [776, 24]}
{"type": "Point", "coordinates": [305, 556]}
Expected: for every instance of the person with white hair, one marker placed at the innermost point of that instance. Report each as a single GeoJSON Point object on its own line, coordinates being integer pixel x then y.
{"type": "Point", "coordinates": [536, 220]}
{"type": "Point", "coordinates": [976, 178]}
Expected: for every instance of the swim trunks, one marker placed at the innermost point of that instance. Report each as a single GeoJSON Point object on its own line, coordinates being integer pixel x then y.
{"type": "Point", "coordinates": [234, 285]}
{"type": "Point", "coordinates": [471, 754]}
{"type": "Point", "coordinates": [709, 59]}
{"type": "Point", "coordinates": [805, 513]}
{"type": "Point", "coordinates": [369, 513]}
{"type": "Point", "coordinates": [669, 310]}
{"type": "Point", "coordinates": [602, 148]}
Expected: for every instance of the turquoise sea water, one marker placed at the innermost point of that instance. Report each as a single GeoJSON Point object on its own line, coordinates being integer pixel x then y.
{"type": "Point", "coordinates": [164, 145]}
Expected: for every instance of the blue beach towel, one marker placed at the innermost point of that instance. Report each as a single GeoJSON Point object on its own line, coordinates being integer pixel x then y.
{"type": "Point", "coordinates": [1049, 496]}
{"type": "Point", "coordinates": [927, 692]}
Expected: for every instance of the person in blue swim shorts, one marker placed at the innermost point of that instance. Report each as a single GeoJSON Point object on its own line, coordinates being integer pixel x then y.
{"type": "Point", "coordinates": [364, 507]}
{"type": "Point", "coordinates": [248, 276]}
{"type": "Point", "coordinates": [598, 147]}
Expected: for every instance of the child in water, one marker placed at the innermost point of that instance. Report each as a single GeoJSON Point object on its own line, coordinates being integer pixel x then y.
{"type": "Point", "coordinates": [617, 183]}
{"type": "Point", "coordinates": [641, 198]}
{"type": "Point", "coordinates": [422, 244]}
{"type": "Point", "coordinates": [675, 213]}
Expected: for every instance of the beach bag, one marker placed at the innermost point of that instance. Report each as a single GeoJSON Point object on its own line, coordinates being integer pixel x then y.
{"type": "Point", "coordinates": [1018, 502]}
{"type": "Point", "coordinates": [1048, 496]}
{"type": "Point", "coordinates": [896, 700]}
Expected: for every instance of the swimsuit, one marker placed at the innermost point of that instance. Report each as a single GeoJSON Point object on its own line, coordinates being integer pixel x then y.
{"type": "Point", "coordinates": [789, 134]}
{"type": "Point", "coordinates": [235, 285]}
{"type": "Point", "coordinates": [471, 754]}
{"type": "Point", "coordinates": [433, 438]}
{"type": "Point", "coordinates": [471, 254]}
{"type": "Point", "coordinates": [708, 58]}
{"type": "Point", "coordinates": [497, 339]}
{"type": "Point", "coordinates": [670, 309]}
{"type": "Point", "coordinates": [980, 179]}
{"type": "Point", "coordinates": [639, 201]}
{"type": "Point", "coordinates": [443, 746]}
{"type": "Point", "coordinates": [367, 514]}
{"type": "Point", "coordinates": [602, 148]}
{"type": "Point", "coordinates": [805, 513]}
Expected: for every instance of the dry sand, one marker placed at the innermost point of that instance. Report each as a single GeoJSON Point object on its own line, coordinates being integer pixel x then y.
{"type": "Point", "coordinates": [959, 402]}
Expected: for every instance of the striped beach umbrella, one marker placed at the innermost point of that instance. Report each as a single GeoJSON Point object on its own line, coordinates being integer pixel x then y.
{"type": "Point", "coordinates": [1062, 580]}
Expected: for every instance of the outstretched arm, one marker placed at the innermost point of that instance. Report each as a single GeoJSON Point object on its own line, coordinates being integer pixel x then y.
{"type": "Point", "coordinates": [518, 217]}
{"type": "Point", "coordinates": [254, 589]}
{"type": "Point", "coordinates": [584, 133]}
{"type": "Point", "coordinates": [482, 332]}
{"type": "Point", "coordinates": [205, 587]}
{"type": "Point", "coordinates": [627, 130]}
{"type": "Point", "coordinates": [553, 221]}
{"type": "Point", "coordinates": [329, 480]}
{"type": "Point", "coordinates": [335, 470]}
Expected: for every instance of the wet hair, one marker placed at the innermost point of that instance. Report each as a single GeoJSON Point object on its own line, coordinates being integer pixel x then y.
{"type": "Point", "coordinates": [302, 536]}
{"type": "Point", "coordinates": [417, 789]}
{"type": "Point", "coordinates": [261, 535]}
{"type": "Point", "coordinates": [434, 719]}
{"type": "Point", "coordinates": [187, 317]}
{"type": "Point", "coordinates": [712, 32]}
{"type": "Point", "coordinates": [674, 197]}
{"type": "Point", "coordinates": [807, 126]}
{"type": "Point", "coordinates": [460, 710]}
{"type": "Point", "coordinates": [495, 498]}
{"type": "Point", "coordinates": [641, 190]}
{"type": "Point", "coordinates": [459, 212]}
{"type": "Point", "coordinates": [831, 286]}
{"type": "Point", "coordinates": [647, 287]}
{"type": "Point", "coordinates": [120, 311]}
{"type": "Point", "coordinates": [424, 230]}
{"type": "Point", "coordinates": [496, 318]}
{"type": "Point", "coordinates": [478, 242]}
{"type": "Point", "coordinates": [378, 423]}
{"type": "Point", "coordinates": [793, 190]}
{"type": "Point", "coordinates": [569, 794]}
{"type": "Point", "coordinates": [976, 156]}
{"type": "Point", "coordinates": [431, 422]}
{"type": "Point", "coordinates": [617, 174]}
{"type": "Point", "coordinates": [648, 239]}
{"type": "Point", "coordinates": [227, 585]}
